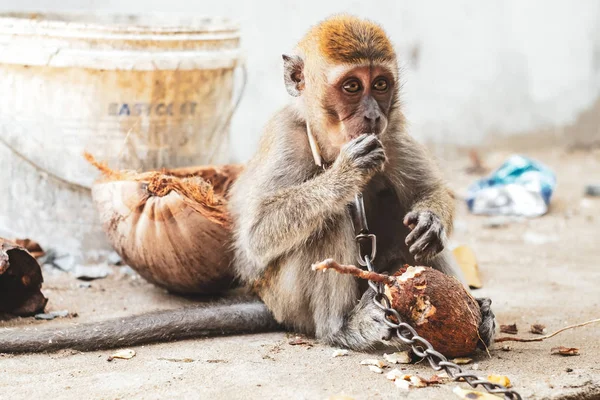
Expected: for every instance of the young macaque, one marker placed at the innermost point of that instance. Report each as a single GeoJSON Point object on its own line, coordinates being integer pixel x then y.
{"type": "Point", "coordinates": [290, 212]}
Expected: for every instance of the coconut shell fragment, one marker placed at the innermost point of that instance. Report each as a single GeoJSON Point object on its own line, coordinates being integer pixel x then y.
{"type": "Point", "coordinates": [171, 226]}
{"type": "Point", "coordinates": [436, 305]}
{"type": "Point", "coordinates": [20, 281]}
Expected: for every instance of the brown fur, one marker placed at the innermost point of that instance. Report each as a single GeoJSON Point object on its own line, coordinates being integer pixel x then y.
{"type": "Point", "coordinates": [348, 39]}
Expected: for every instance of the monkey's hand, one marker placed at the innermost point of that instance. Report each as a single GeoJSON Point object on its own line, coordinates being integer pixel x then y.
{"type": "Point", "coordinates": [427, 237]}
{"type": "Point", "coordinates": [487, 327]}
{"type": "Point", "coordinates": [363, 154]}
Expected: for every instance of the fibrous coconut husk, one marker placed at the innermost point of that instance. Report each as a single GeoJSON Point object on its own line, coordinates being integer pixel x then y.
{"type": "Point", "coordinates": [171, 226]}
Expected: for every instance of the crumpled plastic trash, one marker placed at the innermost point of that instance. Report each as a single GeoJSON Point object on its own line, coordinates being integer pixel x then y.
{"type": "Point", "coordinates": [521, 186]}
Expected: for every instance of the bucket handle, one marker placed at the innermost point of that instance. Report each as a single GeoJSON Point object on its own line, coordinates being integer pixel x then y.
{"type": "Point", "coordinates": [85, 188]}
{"type": "Point", "coordinates": [219, 127]}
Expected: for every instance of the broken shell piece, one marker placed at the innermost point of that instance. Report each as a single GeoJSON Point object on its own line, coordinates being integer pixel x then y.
{"type": "Point", "coordinates": [375, 369]}
{"type": "Point", "coordinates": [462, 361]}
{"type": "Point", "coordinates": [473, 394]}
{"type": "Point", "coordinates": [399, 357]}
{"type": "Point", "coordinates": [500, 380]}
{"type": "Point", "coordinates": [402, 384]}
{"type": "Point", "coordinates": [170, 226]}
{"type": "Point", "coordinates": [20, 281]}
{"type": "Point", "coordinates": [372, 361]}
{"type": "Point", "coordinates": [416, 381]}
{"type": "Point", "coordinates": [395, 374]}
{"type": "Point", "coordinates": [124, 354]}
{"type": "Point", "coordinates": [339, 353]}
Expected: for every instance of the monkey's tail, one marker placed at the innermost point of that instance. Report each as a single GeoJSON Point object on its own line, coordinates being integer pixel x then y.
{"type": "Point", "coordinates": [159, 326]}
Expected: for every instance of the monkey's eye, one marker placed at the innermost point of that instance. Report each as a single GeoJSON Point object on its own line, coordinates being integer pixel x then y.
{"type": "Point", "coordinates": [380, 85]}
{"type": "Point", "coordinates": [352, 86]}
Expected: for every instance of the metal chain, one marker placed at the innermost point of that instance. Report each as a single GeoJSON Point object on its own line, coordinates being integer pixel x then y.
{"type": "Point", "coordinates": [406, 333]}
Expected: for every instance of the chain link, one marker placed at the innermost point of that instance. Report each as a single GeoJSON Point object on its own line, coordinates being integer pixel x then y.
{"type": "Point", "coordinates": [406, 333]}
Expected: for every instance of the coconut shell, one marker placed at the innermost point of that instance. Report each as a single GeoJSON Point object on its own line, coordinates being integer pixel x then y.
{"type": "Point", "coordinates": [170, 226]}
{"type": "Point", "coordinates": [436, 305]}
{"type": "Point", "coordinates": [439, 308]}
{"type": "Point", "coordinates": [20, 281]}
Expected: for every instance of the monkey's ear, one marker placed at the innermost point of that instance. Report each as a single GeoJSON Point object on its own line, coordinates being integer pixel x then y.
{"type": "Point", "coordinates": [293, 74]}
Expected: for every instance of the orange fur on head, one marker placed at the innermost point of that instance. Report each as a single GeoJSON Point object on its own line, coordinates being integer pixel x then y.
{"type": "Point", "coordinates": [348, 39]}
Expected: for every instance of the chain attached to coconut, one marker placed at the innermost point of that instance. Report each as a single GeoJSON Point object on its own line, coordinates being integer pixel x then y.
{"type": "Point", "coordinates": [405, 332]}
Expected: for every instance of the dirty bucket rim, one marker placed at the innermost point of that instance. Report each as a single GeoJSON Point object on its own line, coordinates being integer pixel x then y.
{"type": "Point", "coordinates": [118, 23]}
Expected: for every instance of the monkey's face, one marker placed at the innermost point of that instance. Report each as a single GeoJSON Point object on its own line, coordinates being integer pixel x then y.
{"type": "Point", "coordinates": [358, 100]}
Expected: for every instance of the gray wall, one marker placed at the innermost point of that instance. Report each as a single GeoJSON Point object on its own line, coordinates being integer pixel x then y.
{"type": "Point", "coordinates": [471, 68]}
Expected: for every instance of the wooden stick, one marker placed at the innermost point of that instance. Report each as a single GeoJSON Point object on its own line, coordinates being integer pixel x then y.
{"type": "Point", "coordinates": [352, 270]}
{"type": "Point", "coordinates": [539, 339]}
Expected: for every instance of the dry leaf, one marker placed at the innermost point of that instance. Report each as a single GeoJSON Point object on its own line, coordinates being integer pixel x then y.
{"type": "Point", "coordinates": [375, 369]}
{"type": "Point", "coordinates": [372, 361]}
{"type": "Point", "coordinates": [565, 351]}
{"type": "Point", "coordinates": [538, 329]}
{"type": "Point", "coordinates": [500, 380]}
{"type": "Point", "coordinates": [462, 361]}
{"type": "Point", "coordinates": [510, 329]}
{"type": "Point", "coordinates": [399, 357]}
{"type": "Point", "coordinates": [124, 354]}
{"type": "Point", "coordinates": [468, 264]}
{"type": "Point", "coordinates": [339, 353]}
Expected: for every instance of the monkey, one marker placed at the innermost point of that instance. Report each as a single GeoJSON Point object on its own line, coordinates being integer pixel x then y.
{"type": "Point", "coordinates": [344, 133]}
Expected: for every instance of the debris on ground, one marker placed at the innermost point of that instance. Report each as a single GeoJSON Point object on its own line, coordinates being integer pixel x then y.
{"type": "Point", "coordinates": [465, 257]}
{"type": "Point", "coordinates": [124, 354]}
{"type": "Point", "coordinates": [500, 380]}
{"type": "Point", "coordinates": [520, 186]}
{"type": "Point", "coordinates": [20, 281]}
{"type": "Point", "coordinates": [372, 361]}
{"type": "Point", "coordinates": [506, 348]}
{"type": "Point", "coordinates": [375, 369]}
{"type": "Point", "coordinates": [300, 341]}
{"type": "Point", "coordinates": [177, 360]}
{"type": "Point", "coordinates": [436, 305]}
{"type": "Point", "coordinates": [539, 238]}
{"type": "Point", "coordinates": [91, 272]}
{"type": "Point", "coordinates": [476, 166]}
{"type": "Point", "coordinates": [406, 381]}
{"type": "Point", "coordinates": [510, 329]}
{"type": "Point", "coordinates": [32, 247]}
{"type": "Point", "coordinates": [501, 221]}
{"type": "Point", "coordinates": [462, 361]}
{"type": "Point", "coordinates": [539, 339]}
{"type": "Point", "coordinates": [399, 357]}
{"type": "Point", "coordinates": [538, 329]}
{"type": "Point", "coordinates": [339, 353]}
{"type": "Point", "coordinates": [565, 351]}
{"type": "Point", "coordinates": [51, 315]}
{"type": "Point", "coordinates": [469, 394]}
{"type": "Point", "coordinates": [592, 190]}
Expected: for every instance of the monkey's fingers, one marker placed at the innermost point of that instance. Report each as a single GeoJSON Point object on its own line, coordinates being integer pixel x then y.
{"type": "Point", "coordinates": [422, 225]}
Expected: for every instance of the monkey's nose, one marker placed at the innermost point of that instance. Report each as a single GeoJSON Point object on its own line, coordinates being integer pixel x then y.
{"type": "Point", "coordinates": [373, 122]}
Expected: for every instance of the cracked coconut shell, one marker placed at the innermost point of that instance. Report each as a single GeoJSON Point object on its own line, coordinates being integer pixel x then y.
{"type": "Point", "coordinates": [170, 226]}
{"type": "Point", "coordinates": [436, 305]}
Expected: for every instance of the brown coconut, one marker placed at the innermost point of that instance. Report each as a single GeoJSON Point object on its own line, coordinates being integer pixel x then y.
{"type": "Point", "coordinates": [436, 305]}
{"type": "Point", "coordinates": [170, 226]}
{"type": "Point", "coordinates": [20, 281]}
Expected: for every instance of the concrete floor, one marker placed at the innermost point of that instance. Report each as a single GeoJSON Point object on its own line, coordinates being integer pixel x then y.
{"type": "Point", "coordinates": [544, 271]}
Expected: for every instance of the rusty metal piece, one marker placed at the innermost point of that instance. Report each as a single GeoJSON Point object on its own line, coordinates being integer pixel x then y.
{"type": "Point", "coordinates": [20, 281]}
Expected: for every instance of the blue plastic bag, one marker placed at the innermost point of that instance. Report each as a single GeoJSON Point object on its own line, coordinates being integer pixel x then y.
{"type": "Point", "coordinates": [521, 186]}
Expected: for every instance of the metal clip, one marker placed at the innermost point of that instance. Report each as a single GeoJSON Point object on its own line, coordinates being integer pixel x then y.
{"type": "Point", "coordinates": [361, 239]}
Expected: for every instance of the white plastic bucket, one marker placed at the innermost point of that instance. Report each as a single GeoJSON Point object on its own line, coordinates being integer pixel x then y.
{"type": "Point", "coordinates": [136, 91]}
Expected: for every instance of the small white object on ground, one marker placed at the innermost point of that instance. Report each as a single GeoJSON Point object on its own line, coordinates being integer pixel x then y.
{"type": "Point", "coordinates": [340, 353]}
{"type": "Point", "coordinates": [375, 369]}
{"type": "Point", "coordinates": [399, 357]}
